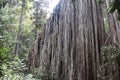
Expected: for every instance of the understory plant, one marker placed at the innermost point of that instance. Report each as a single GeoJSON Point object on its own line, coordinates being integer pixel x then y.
{"type": "Point", "coordinates": [41, 74]}
{"type": "Point", "coordinates": [109, 69]}
{"type": "Point", "coordinates": [15, 70]}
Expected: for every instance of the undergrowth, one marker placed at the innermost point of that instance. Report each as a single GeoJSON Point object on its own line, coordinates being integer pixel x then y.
{"type": "Point", "coordinates": [109, 69]}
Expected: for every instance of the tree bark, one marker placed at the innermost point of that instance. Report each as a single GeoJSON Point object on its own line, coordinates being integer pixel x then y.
{"type": "Point", "coordinates": [69, 46]}
{"type": "Point", "coordinates": [16, 48]}
{"type": "Point", "coordinates": [113, 25]}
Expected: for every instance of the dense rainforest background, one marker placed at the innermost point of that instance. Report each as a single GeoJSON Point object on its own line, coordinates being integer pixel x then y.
{"type": "Point", "coordinates": [79, 41]}
{"type": "Point", "coordinates": [20, 22]}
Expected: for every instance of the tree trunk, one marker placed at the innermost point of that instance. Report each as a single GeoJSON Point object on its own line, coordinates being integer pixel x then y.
{"type": "Point", "coordinates": [69, 46]}
{"type": "Point", "coordinates": [16, 48]}
{"type": "Point", "coordinates": [113, 25]}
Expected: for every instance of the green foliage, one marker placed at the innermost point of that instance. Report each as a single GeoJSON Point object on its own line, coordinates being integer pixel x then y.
{"type": "Point", "coordinates": [18, 77]}
{"type": "Point", "coordinates": [100, 1]}
{"type": "Point", "coordinates": [4, 56]}
{"type": "Point", "coordinates": [14, 70]}
{"type": "Point", "coordinates": [114, 6]}
{"type": "Point", "coordinates": [9, 22]}
{"type": "Point", "coordinates": [41, 74]}
{"type": "Point", "coordinates": [114, 50]}
{"type": "Point", "coordinates": [109, 68]}
{"type": "Point", "coordinates": [40, 13]}
{"type": "Point", "coordinates": [2, 3]}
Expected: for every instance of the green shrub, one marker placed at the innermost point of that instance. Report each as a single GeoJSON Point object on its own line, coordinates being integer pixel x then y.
{"type": "Point", "coordinates": [41, 74]}
{"type": "Point", "coordinates": [4, 57]}
{"type": "Point", "coordinates": [14, 70]}
{"type": "Point", "coordinates": [109, 69]}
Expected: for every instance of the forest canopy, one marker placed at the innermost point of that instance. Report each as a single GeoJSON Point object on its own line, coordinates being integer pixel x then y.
{"type": "Point", "coordinates": [20, 23]}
